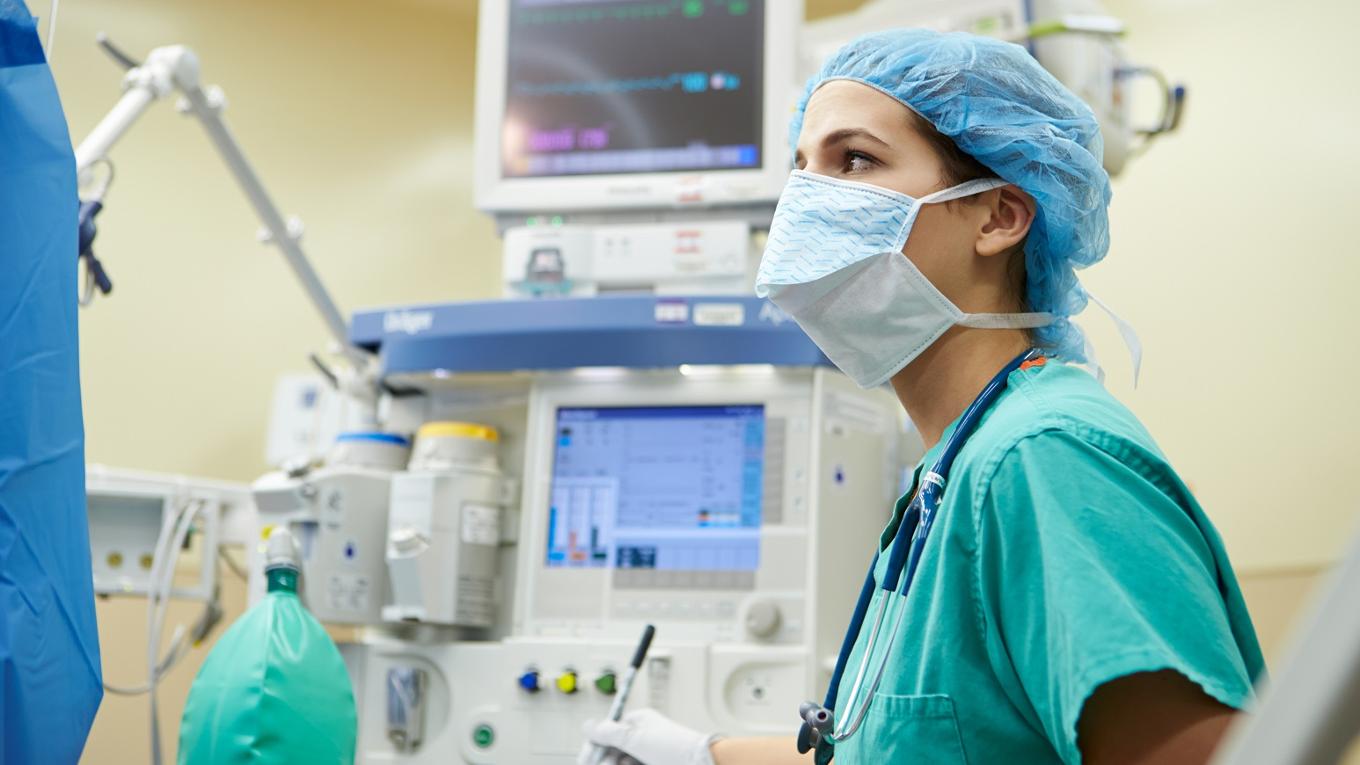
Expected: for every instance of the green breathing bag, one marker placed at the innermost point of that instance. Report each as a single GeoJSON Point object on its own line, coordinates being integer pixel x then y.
{"type": "Point", "coordinates": [274, 689]}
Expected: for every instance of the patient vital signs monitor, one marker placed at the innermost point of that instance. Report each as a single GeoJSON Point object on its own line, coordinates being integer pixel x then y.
{"type": "Point", "coordinates": [609, 104]}
{"type": "Point", "coordinates": [665, 87]}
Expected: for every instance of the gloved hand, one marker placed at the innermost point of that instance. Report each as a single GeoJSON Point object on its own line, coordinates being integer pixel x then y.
{"type": "Point", "coordinates": [648, 737]}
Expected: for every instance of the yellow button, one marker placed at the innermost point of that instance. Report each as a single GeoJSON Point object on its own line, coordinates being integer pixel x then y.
{"type": "Point", "coordinates": [566, 682]}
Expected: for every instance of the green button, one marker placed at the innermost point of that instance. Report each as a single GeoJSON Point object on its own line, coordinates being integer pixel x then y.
{"type": "Point", "coordinates": [607, 683]}
{"type": "Point", "coordinates": [483, 736]}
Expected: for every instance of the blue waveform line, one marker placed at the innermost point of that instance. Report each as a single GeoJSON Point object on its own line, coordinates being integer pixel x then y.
{"type": "Point", "coordinates": [689, 82]}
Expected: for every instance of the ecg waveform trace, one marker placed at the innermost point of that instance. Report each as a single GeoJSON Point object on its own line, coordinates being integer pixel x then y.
{"type": "Point", "coordinates": [689, 82]}
{"type": "Point", "coordinates": [570, 11]}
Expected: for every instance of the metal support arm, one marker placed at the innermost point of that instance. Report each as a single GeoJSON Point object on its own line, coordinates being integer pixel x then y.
{"type": "Point", "coordinates": [174, 68]}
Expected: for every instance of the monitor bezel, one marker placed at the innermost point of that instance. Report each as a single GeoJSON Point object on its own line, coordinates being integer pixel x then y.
{"type": "Point", "coordinates": [495, 193]}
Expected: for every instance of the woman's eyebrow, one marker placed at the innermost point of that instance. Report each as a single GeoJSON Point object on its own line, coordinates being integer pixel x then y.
{"type": "Point", "coordinates": [841, 136]}
{"type": "Point", "coordinates": [845, 134]}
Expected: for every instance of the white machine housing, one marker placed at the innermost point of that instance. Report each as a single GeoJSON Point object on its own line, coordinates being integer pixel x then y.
{"type": "Point", "coordinates": [444, 530]}
{"type": "Point", "coordinates": [700, 258]}
{"type": "Point", "coordinates": [338, 515]}
{"type": "Point", "coordinates": [731, 653]}
{"type": "Point", "coordinates": [307, 414]}
{"type": "Point", "coordinates": [128, 510]}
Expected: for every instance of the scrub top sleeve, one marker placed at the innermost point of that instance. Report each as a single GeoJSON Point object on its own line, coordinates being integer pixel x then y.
{"type": "Point", "coordinates": [1086, 572]}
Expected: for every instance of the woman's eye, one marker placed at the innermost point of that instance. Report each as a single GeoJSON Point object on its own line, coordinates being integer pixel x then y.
{"type": "Point", "coordinates": [858, 162]}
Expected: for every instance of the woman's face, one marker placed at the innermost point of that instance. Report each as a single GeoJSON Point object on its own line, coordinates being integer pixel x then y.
{"type": "Point", "coordinates": [855, 133]}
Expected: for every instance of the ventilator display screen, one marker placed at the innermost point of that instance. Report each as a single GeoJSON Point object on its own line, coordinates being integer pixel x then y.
{"type": "Point", "coordinates": [598, 87]}
{"type": "Point", "coordinates": [663, 488]}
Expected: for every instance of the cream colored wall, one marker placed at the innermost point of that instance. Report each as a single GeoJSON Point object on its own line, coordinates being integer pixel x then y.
{"type": "Point", "coordinates": [358, 118]}
{"type": "Point", "coordinates": [1233, 256]}
{"type": "Point", "coordinates": [356, 115]}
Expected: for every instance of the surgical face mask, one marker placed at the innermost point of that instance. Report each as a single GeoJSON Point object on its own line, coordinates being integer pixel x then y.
{"type": "Point", "coordinates": [834, 263]}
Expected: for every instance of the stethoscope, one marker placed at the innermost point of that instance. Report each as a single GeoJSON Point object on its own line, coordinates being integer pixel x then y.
{"type": "Point", "coordinates": [820, 725]}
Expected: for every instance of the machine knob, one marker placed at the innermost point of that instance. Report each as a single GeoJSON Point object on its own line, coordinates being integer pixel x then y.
{"type": "Point", "coordinates": [529, 681]}
{"type": "Point", "coordinates": [566, 682]}
{"type": "Point", "coordinates": [607, 683]}
{"type": "Point", "coordinates": [762, 619]}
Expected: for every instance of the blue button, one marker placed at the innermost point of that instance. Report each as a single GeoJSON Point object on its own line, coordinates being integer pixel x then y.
{"type": "Point", "coordinates": [529, 681]}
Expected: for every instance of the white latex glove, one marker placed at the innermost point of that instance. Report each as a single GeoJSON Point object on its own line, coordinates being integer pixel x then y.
{"type": "Point", "coordinates": [648, 737]}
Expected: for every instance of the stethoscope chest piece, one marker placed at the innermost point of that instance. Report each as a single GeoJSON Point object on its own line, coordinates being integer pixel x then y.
{"type": "Point", "coordinates": [817, 722]}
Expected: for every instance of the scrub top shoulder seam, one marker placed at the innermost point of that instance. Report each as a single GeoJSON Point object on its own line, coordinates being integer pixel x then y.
{"type": "Point", "coordinates": [1038, 416]}
{"type": "Point", "coordinates": [1043, 419]}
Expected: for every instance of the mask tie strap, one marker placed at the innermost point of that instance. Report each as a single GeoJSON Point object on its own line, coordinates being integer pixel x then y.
{"type": "Point", "coordinates": [965, 189]}
{"type": "Point", "coordinates": [1093, 359]}
{"type": "Point", "coordinates": [1126, 331]}
{"type": "Point", "coordinates": [1006, 320]}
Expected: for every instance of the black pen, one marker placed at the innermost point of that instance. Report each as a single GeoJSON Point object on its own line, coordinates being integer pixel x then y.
{"type": "Point", "coordinates": [616, 710]}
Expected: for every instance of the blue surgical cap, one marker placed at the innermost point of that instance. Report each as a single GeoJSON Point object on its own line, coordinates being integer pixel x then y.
{"type": "Point", "coordinates": [1005, 110]}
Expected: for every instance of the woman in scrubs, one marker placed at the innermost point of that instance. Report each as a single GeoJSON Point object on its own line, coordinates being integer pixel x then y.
{"type": "Point", "coordinates": [1072, 602]}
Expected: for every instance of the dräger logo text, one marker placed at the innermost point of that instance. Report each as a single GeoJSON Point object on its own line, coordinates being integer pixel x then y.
{"type": "Point", "coordinates": [409, 322]}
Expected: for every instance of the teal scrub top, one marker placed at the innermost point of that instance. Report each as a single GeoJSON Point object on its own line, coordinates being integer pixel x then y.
{"type": "Point", "coordinates": [1067, 553]}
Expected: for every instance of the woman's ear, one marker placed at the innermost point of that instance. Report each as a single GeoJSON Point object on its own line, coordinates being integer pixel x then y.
{"type": "Point", "coordinates": [1010, 214]}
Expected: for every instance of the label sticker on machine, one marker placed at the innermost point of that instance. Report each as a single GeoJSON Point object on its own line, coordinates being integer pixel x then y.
{"type": "Point", "coordinates": [719, 314]}
{"type": "Point", "coordinates": [481, 525]}
{"type": "Point", "coordinates": [346, 592]}
{"type": "Point", "coordinates": [671, 312]}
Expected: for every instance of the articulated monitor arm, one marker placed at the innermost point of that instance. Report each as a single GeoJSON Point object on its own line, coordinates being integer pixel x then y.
{"type": "Point", "coordinates": [175, 68]}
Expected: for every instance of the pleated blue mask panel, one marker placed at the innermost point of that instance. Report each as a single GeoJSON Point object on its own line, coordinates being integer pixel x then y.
{"type": "Point", "coordinates": [823, 225]}
{"type": "Point", "coordinates": [834, 262]}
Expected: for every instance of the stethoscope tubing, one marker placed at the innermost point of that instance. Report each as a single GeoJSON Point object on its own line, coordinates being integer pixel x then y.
{"type": "Point", "coordinates": [904, 555]}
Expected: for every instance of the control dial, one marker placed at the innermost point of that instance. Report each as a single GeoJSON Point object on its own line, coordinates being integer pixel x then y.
{"type": "Point", "coordinates": [762, 619]}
